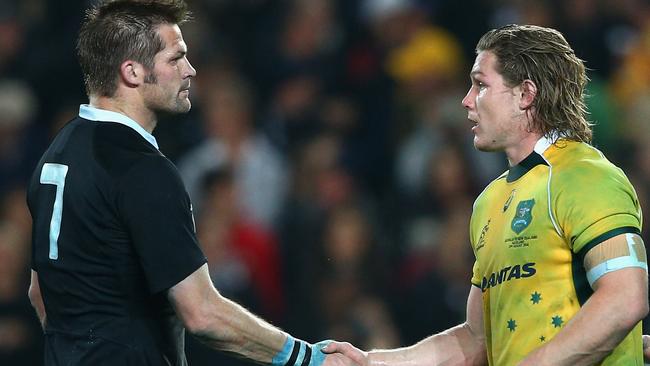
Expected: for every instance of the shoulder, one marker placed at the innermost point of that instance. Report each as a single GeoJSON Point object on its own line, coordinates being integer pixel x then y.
{"type": "Point", "coordinates": [590, 195]}
{"type": "Point", "coordinates": [491, 187]}
{"type": "Point", "coordinates": [119, 148]}
{"type": "Point", "coordinates": [154, 170]}
{"type": "Point", "coordinates": [117, 137]}
{"type": "Point", "coordinates": [152, 182]}
{"type": "Point", "coordinates": [580, 167]}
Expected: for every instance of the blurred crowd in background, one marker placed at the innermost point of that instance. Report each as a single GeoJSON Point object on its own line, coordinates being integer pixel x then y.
{"type": "Point", "coordinates": [327, 154]}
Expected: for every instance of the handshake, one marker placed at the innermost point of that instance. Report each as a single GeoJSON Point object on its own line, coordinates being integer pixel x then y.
{"type": "Point", "coordinates": [331, 353]}
{"type": "Point", "coordinates": [325, 353]}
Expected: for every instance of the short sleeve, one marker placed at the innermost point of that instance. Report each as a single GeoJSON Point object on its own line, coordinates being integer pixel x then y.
{"type": "Point", "coordinates": [474, 235]}
{"type": "Point", "coordinates": [595, 201]}
{"type": "Point", "coordinates": [157, 211]}
{"type": "Point", "coordinates": [476, 275]}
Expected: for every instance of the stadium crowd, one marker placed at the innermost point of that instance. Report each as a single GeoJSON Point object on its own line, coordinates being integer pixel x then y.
{"type": "Point", "coordinates": [327, 155]}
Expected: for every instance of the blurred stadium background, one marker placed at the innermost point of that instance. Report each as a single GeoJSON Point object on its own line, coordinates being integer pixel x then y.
{"type": "Point", "coordinates": [327, 153]}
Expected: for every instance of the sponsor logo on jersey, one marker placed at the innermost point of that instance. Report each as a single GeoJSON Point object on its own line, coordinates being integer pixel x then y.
{"type": "Point", "coordinates": [523, 216]}
{"type": "Point", "coordinates": [509, 273]}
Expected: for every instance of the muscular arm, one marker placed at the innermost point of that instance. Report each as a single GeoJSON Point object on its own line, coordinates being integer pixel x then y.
{"type": "Point", "coordinates": [36, 299]}
{"type": "Point", "coordinates": [463, 345]}
{"type": "Point", "coordinates": [619, 302]}
{"type": "Point", "coordinates": [222, 324]}
{"type": "Point", "coordinates": [460, 345]}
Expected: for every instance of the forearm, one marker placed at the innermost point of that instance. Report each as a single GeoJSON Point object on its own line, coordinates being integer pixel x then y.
{"type": "Point", "coordinates": [600, 325]}
{"type": "Point", "coordinates": [233, 329]}
{"type": "Point", "coordinates": [456, 346]}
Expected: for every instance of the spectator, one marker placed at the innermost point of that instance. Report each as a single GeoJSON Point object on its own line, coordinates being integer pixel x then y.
{"type": "Point", "coordinates": [233, 141]}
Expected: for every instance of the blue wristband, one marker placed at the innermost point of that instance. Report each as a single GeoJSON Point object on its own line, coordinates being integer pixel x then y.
{"type": "Point", "coordinates": [317, 356]}
{"type": "Point", "coordinates": [283, 356]}
{"type": "Point", "coordinates": [299, 353]}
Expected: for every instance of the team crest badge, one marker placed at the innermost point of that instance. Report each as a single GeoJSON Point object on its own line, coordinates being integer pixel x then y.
{"type": "Point", "coordinates": [523, 216]}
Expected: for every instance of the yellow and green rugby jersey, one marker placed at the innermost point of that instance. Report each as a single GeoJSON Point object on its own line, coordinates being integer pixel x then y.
{"type": "Point", "coordinates": [530, 230]}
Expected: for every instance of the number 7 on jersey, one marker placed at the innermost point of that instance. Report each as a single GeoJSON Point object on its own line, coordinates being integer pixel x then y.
{"type": "Point", "coordinates": [55, 174]}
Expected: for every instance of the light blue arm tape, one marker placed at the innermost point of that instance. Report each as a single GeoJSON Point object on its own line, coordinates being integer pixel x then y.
{"type": "Point", "coordinates": [617, 263]}
{"type": "Point", "coordinates": [283, 356]}
{"type": "Point", "coordinates": [316, 357]}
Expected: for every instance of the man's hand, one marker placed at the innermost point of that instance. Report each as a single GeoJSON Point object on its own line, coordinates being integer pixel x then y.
{"type": "Point", "coordinates": [646, 348]}
{"type": "Point", "coordinates": [338, 359]}
{"type": "Point", "coordinates": [351, 353]}
{"type": "Point", "coordinates": [321, 358]}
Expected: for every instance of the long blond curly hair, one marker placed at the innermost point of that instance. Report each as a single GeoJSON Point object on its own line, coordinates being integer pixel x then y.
{"type": "Point", "coordinates": [542, 55]}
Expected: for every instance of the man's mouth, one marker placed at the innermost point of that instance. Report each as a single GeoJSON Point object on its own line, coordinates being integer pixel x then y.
{"type": "Point", "coordinates": [473, 122]}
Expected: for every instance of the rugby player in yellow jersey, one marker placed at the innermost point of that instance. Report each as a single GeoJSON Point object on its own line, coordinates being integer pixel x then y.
{"type": "Point", "coordinates": [560, 276]}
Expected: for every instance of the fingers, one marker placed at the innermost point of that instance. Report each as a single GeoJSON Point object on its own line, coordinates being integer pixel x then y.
{"type": "Point", "coordinates": [333, 347]}
{"type": "Point", "coordinates": [646, 348]}
{"type": "Point", "coordinates": [339, 360]}
{"type": "Point", "coordinates": [348, 350]}
{"type": "Point", "coordinates": [321, 345]}
{"type": "Point", "coordinates": [339, 347]}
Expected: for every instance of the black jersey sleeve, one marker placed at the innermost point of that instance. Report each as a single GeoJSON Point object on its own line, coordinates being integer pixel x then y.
{"type": "Point", "coordinates": [157, 212]}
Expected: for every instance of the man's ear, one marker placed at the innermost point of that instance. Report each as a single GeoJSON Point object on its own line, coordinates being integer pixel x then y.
{"type": "Point", "coordinates": [528, 94]}
{"type": "Point", "coordinates": [132, 73]}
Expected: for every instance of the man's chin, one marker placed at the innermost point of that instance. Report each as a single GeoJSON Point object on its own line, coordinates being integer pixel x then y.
{"type": "Point", "coordinates": [182, 106]}
{"type": "Point", "coordinates": [179, 108]}
{"type": "Point", "coordinates": [478, 145]}
{"type": "Point", "coordinates": [185, 107]}
{"type": "Point", "coordinates": [482, 146]}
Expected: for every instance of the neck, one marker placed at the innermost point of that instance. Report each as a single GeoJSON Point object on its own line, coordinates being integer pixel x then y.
{"type": "Point", "coordinates": [143, 116]}
{"type": "Point", "coordinates": [525, 147]}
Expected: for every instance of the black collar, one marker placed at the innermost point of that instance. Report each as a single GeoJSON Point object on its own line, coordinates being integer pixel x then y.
{"type": "Point", "coordinates": [518, 171]}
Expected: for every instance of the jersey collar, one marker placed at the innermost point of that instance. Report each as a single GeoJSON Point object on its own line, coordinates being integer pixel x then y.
{"type": "Point", "coordinates": [534, 159]}
{"type": "Point", "coordinates": [91, 113]}
{"type": "Point", "coordinates": [544, 143]}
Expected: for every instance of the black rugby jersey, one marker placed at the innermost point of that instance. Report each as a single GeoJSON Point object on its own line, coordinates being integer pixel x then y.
{"type": "Point", "coordinates": [112, 231]}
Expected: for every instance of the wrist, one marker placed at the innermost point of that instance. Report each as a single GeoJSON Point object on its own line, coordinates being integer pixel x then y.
{"type": "Point", "coordinates": [296, 352]}
{"type": "Point", "coordinates": [282, 357]}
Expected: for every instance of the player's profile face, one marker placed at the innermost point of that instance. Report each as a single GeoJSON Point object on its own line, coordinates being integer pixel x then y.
{"type": "Point", "coordinates": [167, 86]}
{"type": "Point", "coordinates": [492, 106]}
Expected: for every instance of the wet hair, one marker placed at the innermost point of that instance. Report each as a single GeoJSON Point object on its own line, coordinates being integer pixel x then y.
{"type": "Point", "coordinates": [119, 30]}
{"type": "Point", "coordinates": [542, 55]}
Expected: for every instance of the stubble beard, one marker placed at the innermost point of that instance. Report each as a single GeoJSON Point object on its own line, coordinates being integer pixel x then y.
{"type": "Point", "coordinates": [161, 106]}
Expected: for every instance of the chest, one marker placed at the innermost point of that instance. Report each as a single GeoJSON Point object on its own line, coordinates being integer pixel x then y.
{"type": "Point", "coordinates": [513, 225]}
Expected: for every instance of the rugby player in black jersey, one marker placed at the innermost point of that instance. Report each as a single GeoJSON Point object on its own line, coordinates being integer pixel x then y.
{"type": "Point", "coordinates": [117, 273]}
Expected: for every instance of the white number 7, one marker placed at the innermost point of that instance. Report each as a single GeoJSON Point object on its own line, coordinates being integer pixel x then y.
{"type": "Point", "coordinates": [55, 174]}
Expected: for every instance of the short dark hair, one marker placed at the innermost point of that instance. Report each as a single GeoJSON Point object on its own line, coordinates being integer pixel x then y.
{"type": "Point", "coordinates": [118, 30]}
{"type": "Point", "coordinates": [544, 56]}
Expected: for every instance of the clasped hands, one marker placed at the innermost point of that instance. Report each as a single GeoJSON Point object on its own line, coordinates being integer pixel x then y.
{"type": "Point", "coordinates": [344, 354]}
